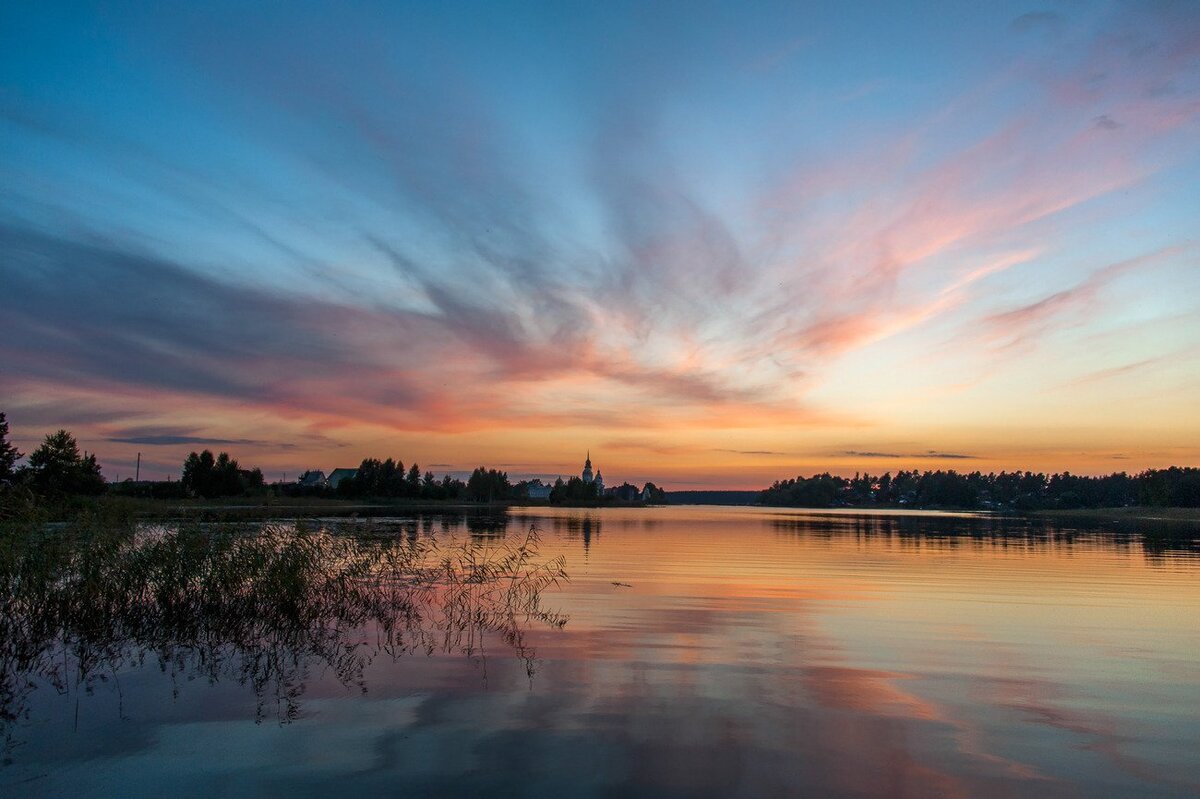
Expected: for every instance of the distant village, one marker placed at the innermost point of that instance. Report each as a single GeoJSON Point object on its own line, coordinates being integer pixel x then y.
{"type": "Point", "coordinates": [626, 492]}
{"type": "Point", "coordinates": [589, 485]}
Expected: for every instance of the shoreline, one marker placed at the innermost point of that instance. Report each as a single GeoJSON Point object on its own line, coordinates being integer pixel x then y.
{"type": "Point", "coordinates": [268, 507]}
{"type": "Point", "coordinates": [1138, 513]}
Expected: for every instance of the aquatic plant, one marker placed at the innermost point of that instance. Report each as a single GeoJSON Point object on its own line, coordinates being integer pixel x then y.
{"type": "Point", "coordinates": [264, 607]}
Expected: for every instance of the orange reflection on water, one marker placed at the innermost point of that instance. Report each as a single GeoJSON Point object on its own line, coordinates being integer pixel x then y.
{"type": "Point", "coordinates": [939, 655]}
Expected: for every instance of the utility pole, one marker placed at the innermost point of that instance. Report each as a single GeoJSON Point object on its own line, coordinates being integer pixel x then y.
{"type": "Point", "coordinates": [137, 475]}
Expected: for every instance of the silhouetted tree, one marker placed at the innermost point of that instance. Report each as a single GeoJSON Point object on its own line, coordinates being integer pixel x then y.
{"type": "Point", "coordinates": [654, 494]}
{"type": "Point", "coordinates": [57, 467]}
{"type": "Point", "coordinates": [945, 489]}
{"type": "Point", "coordinates": [452, 488]}
{"type": "Point", "coordinates": [1176, 486]}
{"type": "Point", "coordinates": [390, 480]}
{"type": "Point", "coordinates": [251, 479]}
{"type": "Point", "coordinates": [207, 476]}
{"type": "Point", "coordinates": [8, 453]}
{"type": "Point", "coordinates": [574, 490]}
{"type": "Point", "coordinates": [488, 485]}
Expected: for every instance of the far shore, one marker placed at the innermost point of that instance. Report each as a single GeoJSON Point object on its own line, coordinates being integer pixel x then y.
{"type": "Point", "coordinates": [1128, 514]}
{"type": "Point", "coordinates": [315, 505]}
{"type": "Point", "coordinates": [1134, 513]}
{"type": "Point", "coordinates": [274, 506]}
{"type": "Point", "coordinates": [248, 508]}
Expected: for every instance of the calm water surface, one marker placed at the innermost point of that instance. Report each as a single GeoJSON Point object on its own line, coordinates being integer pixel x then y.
{"type": "Point", "coordinates": [708, 651]}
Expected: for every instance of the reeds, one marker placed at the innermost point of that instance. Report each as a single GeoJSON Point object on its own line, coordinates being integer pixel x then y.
{"type": "Point", "coordinates": [265, 607]}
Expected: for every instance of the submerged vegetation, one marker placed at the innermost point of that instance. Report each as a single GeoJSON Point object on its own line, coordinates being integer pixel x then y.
{"type": "Point", "coordinates": [267, 608]}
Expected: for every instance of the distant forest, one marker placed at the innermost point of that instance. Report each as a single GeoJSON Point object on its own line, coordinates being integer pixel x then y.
{"type": "Point", "coordinates": [388, 479]}
{"type": "Point", "coordinates": [211, 477]}
{"type": "Point", "coordinates": [1174, 487]}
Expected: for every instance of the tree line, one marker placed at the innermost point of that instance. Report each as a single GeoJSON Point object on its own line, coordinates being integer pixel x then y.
{"type": "Point", "coordinates": [388, 479]}
{"type": "Point", "coordinates": [207, 476]}
{"type": "Point", "coordinates": [576, 490]}
{"type": "Point", "coordinates": [1172, 487]}
{"type": "Point", "coordinates": [376, 479]}
{"type": "Point", "coordinates": [57, 468]}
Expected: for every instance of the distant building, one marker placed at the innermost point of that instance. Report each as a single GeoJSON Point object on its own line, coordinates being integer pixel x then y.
{"type": "Point", "coordinates": [536, 489]}
{"type": "Point", "coordinates": [338, 475]}
{"type": "Point", "coordinates": [314, 478]}
{"type": "Point", "coordinates": [624, 493]}
{"type": "Point", "coordinates": [597, 480]}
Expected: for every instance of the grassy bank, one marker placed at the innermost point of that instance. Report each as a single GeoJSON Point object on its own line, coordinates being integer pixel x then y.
{"type": "Point", "coordinates": [271, 507]}
{"type": "Point", "coordinates": [30, 508]}
{"type": "Point", "coordinates": [1130, 514]}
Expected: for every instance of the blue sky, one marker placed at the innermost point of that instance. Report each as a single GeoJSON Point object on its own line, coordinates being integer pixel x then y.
{"type": "Point", "coordinates": [672, 233]}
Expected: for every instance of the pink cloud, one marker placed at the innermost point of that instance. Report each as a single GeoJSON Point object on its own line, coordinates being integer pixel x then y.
{"type": "Point", "coordinates": [1016, 326]}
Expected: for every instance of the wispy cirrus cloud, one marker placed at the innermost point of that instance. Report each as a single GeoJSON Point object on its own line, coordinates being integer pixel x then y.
{"type": "Point", "coordinates": [926, 455]}
{"type": "Point", "coordinates": [1017, 326]}
{"type": "Point", "coordinates": [136, 319]}
{"type": "Point", "coordinates": [169, 440]}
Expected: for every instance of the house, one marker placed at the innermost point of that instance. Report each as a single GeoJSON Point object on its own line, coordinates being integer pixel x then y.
{"type": "Point", "coordinates": [313, 478]}
{"type": "Point", "coordinates": [536, 489]}
{"type": "Point", "coordinates": [338, 475]}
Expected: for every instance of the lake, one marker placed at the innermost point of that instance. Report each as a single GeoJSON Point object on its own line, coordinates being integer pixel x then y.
{"type": "Point", "coordinates": [694, 651]}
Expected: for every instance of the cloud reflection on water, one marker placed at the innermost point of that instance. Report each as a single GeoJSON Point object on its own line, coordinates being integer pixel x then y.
{"type": "Point", "coordinates": [758, 653]}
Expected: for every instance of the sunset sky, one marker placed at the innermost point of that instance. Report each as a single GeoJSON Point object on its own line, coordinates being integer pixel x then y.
{"type": "Point", "coordinates": [717, 244]}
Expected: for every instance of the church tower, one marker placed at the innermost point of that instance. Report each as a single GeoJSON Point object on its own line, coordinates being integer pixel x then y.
{"type": "Point", "coordinates": [587, 468]}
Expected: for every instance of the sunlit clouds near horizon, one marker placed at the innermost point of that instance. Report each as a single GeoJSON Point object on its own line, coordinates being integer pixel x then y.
{"type": "Point", "coordinates": [716, 244]}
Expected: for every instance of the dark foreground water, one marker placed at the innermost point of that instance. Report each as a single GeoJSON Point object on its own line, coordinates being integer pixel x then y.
{"type": "Point", "coordinates": [706, 651]}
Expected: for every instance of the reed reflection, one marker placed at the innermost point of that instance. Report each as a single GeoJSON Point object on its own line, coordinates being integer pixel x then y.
{"type": "Point", "coordinates": [265, 609]}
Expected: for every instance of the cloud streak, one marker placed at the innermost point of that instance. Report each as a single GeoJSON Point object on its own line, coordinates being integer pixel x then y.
{"type": "Point", "coordinates": [161, 441]}
{"type": "Point", "coordinates": [926, 455]}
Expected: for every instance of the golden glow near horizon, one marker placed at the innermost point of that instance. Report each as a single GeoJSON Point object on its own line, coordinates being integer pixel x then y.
{"type": "Point", "coordinates": [970, 246]}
